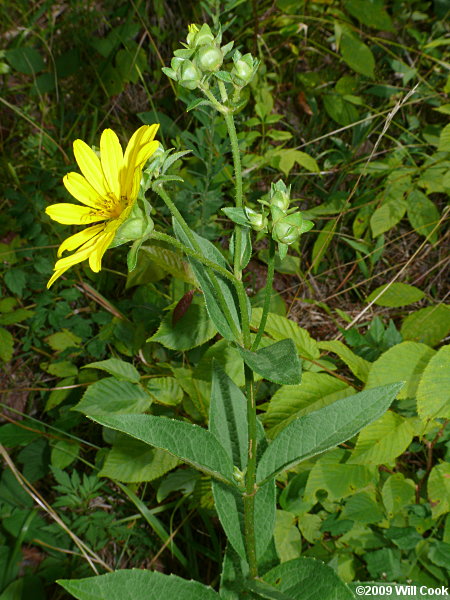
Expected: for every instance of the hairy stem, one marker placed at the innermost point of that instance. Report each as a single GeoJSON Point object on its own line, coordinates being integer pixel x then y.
{"type": "Point", "coordinates": [250, 476]}
{"type": "Point", "coordinates": [267, 294]}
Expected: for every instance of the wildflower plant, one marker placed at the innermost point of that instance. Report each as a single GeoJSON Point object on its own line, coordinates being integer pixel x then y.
{"type": "Point", "coordinates": [234, 452]}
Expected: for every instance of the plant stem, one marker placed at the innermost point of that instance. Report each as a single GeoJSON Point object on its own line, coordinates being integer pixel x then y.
{"type": "Point", "coordinates": [199, 256]}
{"type": "Point", "coordinates": [267, 294]}
{"type": "Point", "coordinates": [250, 477]}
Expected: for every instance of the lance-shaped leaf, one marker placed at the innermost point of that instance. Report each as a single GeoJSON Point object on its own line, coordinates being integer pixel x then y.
{"type": "Point", "coordinates": [204, 277]}
{"type": "Point", "coordinates": [324, 429]}
{"type": "Point", "coordinates": [190, 443]}
{"type": "Point", "coordinates": [278, 363]}
{"type": "Point", "coordinates": [135, 583]}
{"type": "Point", "coordinates": [228, 422]}
{"type": "Point", "coordinates": [228, 416]}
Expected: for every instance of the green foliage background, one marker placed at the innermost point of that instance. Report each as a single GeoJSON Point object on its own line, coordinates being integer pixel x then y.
{"type": "Point", "coordinates": [351, 102]}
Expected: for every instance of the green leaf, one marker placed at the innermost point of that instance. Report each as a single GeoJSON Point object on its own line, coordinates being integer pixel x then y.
{"type": "Point", "coordinates": [280, 328]}
{"type": "Point", "coordinates": [131, 461]}
{"type": "Point", "coordinates": [188, 442]}
{"type": "Point", "coordinates": [308, 579]}
{"type": "Point", "coordinates": [278, 363]}
{"type": "Point", "coordinates": [230, 508]}
{"type": "Point", "coordinates": [340, 110]}
{"type": "Point", "coordinates": [363, 508]}
{"type": "Point", "coordinates": [382, 441]}
{"type": "Point", "coordinates": [370, 13]}
{"type": "Point", "coordinates": [397, 492]}
{"type": "Point", "coordinates": [395, 294]}
{"type": "Point", "coordinates": [289, 402]}
{"type": "Point", "coordinates": [325, 429]}
{"type": "Point", "coordinates": [136, 583]}
{"type": "Point", "coordinates": [387, 215]}
{"type": "Point", "coordinates": [110, 395]}
{"type": "Point", "coordinates": [165, 390]}
{"type": "Point", "coordinates": [15, 280]}
{"type": "Point", "coordinates": [357, 55]}
{"type": "Point", "coordinates": [192, 329]}
{"type": "Point", "coordinates": [237, 215]}
{"type": "Point", "coordinates": [26, 60]}
{"type": "Point", "coordinates": [439, 553]}
{"type": "Point", "coordinates": [288, 540]}
{"type": "Point", "coordinates": [427, 325]}
{"type": "Point", "coordinates": [438, 488]}
{"type": "Point", "coordinates": [228, 423]}
{"type": "Point", "coordinates": [433, 392]}
{"type": "Point", "coordinates": [228, 417]}
{"type": "Point", "coordinates": [62, 340]}
{"type": "Point", "coordinates": [402, 362]}
{"type": "Point", "coordinates": [171, 262]}
{"type": "Point", "coordinates": [423, 215]}
{"type": "Point", "coordinates": [444, 139]}
{"type": "Point", "coordinates": [6, 345]}
{"type": "Point", "coordinates": [64, 452]}
{"type": "Point", "coordinates": [357, 365]}
{"type": "Point", "coordinates": [16, 316]}
{"type": "Point", "coordinates": [204, 278]}
{"type": "Point", "coordinates": [321, 244]}
{"type": "Point", "coordinates": [338, 479]}
{"type": "Point", "coordinates": [120, 369]}
{"type": "Point", "coordinates": [286, 159]}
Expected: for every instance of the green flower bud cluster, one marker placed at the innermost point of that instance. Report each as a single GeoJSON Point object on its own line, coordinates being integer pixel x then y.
{"type": "Point", "coordinates": [287, 224]}
{"type": "Point", "coordinates": [201, 56]}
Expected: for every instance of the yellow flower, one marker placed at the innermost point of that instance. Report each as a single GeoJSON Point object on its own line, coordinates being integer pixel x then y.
{"type": "Point", "coordinates": [108, 189]}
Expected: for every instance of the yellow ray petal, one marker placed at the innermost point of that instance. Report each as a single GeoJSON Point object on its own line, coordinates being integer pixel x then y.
{"type": "Point", "coordinates": [55, 276]}
{"type": "Point", "coordinates": [101, 245]}
{"type": "Point", "coordinates": [83, 236]}
{"type": "Point", "coordinates": [80, 189]}
{"type": "Point", "coordinates": [73, 214]}
{"type": "Point", "coordinates": [78, 256]}
{"type": "Point", "coordinates": [91, 167]}
{"type": "Point", "coordinates": [111, 160]}
{"type": "Point", "coordinates": [135, 180]}
{"type": "Point", "coordinates": [139, 147]}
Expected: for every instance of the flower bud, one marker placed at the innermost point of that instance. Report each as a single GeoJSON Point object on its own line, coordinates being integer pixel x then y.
{"type": "Point", "coordinates": [281, 200]}
{"type": "Point", "coordinates": [193, 30]}
{"type": "Point", "coordinates": [285, 233]}
{"type": "Point", "coordinates": [257, 220]}
{"type": "Point", "coordinates": [209, 58]}
{"type": "Point", "coordinates": [244, 68]}
{"type": "Point", "coordinates": [189, 75]}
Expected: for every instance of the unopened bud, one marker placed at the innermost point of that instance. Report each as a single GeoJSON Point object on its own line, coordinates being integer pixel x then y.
{"type": "Point", "coordinates": [209, 58]}
{"type": "Point", "coordinates": [257, 220]}
{"type": "Point", "coordinates": [189, 75]}
{"type": "Point", "coordinates": [281, 200]}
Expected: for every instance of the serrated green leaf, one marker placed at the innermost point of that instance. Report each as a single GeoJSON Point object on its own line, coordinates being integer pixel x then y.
{"type": "Point", "coordinates": [193, 329]}
{"type": "Point", "coordinates": [325, 429]}
{"type": "Point", "coordinates": [438, 488]}
{"type": "Point", "coordinates": [63, 339]}
{"type": "Point", "coordinates": [131, 461]}
{"type": "Point", "coordinates": [6, 345]}
{"type": "Point", "coordinates": [357, 365]}
{"type": "Point", "coordinates": [308, 579]}
{"type": "Point", "coordinates": [363, 508]}
{"type": "Point", "coordinates": [402, 362]}
{"type": "Point", "coordinates": [397, 492]}
{"type": "Point", "coordinates": [382, 441]}
{"type": "Point", "coordinates": [188, 442]}
{"type": "Point", "coordinates": [120, 369]}
{"type": "Point", "coordinates": [444, 139]}
{"type": "Point", "coordinates": [280, 328]}
{"type": "Point", "coordinates": [137, 583]}
{"type": "Point", "coordinates": [433, 392]}
{"type": "Point", "coordinates": [111, 396]}
{"type": "Point", "coordinates": [16, 316]}
{"type": "Point", "coordinates": [427, 325]}
{"type": "Point", "coordinates": [387, 216]}
{"type": "Point", "coordinates": [278, 362]}
{"type": "Point", "coordinates": [165, 390]}
{"type": "Point", "coordinates": [395, 294]}
{"type": "Point", "coordinates": [338, 479]}
{"type": "Point", "coordinates": [171, 262]}
{"type": "Point", "coordinates": [423, 215]}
